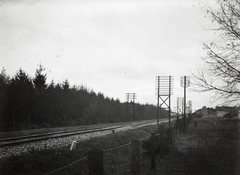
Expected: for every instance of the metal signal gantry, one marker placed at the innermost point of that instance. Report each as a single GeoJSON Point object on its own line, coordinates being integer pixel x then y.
{"type": "Point", "coordinates": [189, 106]}
{"type": "Point", "coordinates": [179, 106]}
{"type": "Point", "coordinates": [164, 90]}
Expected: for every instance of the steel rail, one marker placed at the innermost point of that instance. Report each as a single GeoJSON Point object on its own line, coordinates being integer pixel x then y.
{"type": "Point", "coordinates": [39, 137]}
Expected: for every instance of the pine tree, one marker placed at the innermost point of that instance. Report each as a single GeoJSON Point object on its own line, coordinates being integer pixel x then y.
{"type": "Point", "coordinates": [4, 83]}
{"type": "Point", "coordinates": [40, 87]}
{"type": "Point", "coordinates": [21, 99]}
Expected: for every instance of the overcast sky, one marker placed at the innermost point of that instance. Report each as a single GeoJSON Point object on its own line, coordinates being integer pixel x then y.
{"type": "Point", "coordinates": [110, 46]}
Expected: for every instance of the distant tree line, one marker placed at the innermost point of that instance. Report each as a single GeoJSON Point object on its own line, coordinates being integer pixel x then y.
{"type": "Point", "coordinates": [29, 103]}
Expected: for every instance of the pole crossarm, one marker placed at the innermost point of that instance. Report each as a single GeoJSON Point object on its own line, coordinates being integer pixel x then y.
{"type": "Point", "coordinates": [131, 97]}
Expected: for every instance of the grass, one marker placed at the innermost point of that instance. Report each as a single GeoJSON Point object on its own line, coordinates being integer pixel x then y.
{"type": "Point", "coordinates": [211, 148]}
{"type": "Point", "coordinates": [45, 161]}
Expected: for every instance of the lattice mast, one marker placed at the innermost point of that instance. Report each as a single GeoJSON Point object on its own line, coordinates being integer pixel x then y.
{"type": "Point", "coordinates": [164, 90]}
{"type": "Point", "coordinates": [189, 106]}
{"type": "Point", "coordinates": [179, 106]}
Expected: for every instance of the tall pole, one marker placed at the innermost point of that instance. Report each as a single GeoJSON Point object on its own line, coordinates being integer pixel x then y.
{"type": "Point", "coordinates": [134, 118]}
{"type": "Point", "coordinates": [127, 95]}
{"type": "Point", "coordinates": [169, 110]}
{"type": "Point", "coordinates": [158, 100]}
{"type": "Point", "coordinates": [131, 97]}
{"type": "Point", "coordinates": [184, 105]}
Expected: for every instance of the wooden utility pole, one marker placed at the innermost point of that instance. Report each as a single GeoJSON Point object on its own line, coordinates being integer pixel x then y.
{"type": "Point", "coordinates": [153, 140]}
{"type": "Point", "coordinates": [158, 92]}
{"type": "Point", "coordinates": [135, 150]}
{"type": "Point", "coordinates": [184, 107]}
{"type": "Point", "coordinates": [131, 97]}
{"type": "Point", "coordinates": [185, 82]}
{"type": "Point", "coordinates": [169, 106]}
{"type": "Point", "coordinates": [95, 162]}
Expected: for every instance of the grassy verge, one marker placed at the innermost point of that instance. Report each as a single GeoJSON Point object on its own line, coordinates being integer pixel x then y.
{"type": "Point", "coordinates": [210, 148]}
{"type": "Point", "coordinates": [45, 161]}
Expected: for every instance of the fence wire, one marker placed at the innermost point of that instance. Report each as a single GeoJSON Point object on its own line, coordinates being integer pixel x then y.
{"type": "Point", "coordinates": [117, 161]}
{"type": "Point", "coordinates": [67, 166]}
{"type": "Point", "coordinates": [111, 149]}
{"type": "Point", "coordinates": [75, 167]}
{"type": "Point", "coordinates": [145, 138]}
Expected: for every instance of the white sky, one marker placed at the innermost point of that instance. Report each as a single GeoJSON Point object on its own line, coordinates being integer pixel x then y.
{"type": "Point", "coordinates": [111, 46]}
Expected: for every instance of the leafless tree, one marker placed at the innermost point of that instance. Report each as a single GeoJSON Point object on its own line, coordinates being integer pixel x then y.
{"type": "Point", "coordinates": [222, 71]}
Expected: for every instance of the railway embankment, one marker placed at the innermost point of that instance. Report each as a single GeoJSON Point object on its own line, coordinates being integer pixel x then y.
{"type": "Point", "coordinates": [208, 146]}
{"type": "Point", "coordinates": [41, 159]}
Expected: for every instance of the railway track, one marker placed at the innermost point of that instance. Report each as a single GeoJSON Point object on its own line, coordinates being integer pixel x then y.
{"type": "Point", "coordinates": [40, 137]}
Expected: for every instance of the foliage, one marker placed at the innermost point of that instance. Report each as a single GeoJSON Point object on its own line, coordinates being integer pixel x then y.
{"type": "Point", "coordinates": [162, 141]}
{"type": "Point", "coordinates": [29, 103]}
{"type": "Point", "coordinates": [221, 73]}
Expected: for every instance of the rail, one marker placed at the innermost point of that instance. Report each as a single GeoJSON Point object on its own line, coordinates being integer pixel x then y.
{"type": "Point", "coordinates": [39, 137]}
{"type": "Point", "coordinates": [95, 157]}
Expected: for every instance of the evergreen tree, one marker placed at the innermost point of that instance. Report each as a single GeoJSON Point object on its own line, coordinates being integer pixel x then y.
{"type": "Point", "coordinates": [4, 83]}
{"type": "Point", "coordinates": [40, 79]}
{"type": "Point", "coordinates": [25, 101]}
{"type": "Point", "coordinates": [21, 99]}
{"type": "Point", "coordinates": [40, 99]}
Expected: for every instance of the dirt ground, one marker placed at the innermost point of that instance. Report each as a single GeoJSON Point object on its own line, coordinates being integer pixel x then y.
{"type": "Point", "coordinates": [209, 146]}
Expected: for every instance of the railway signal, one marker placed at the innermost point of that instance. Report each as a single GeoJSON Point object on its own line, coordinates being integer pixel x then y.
{"type": "Point", "coordinates": [164, 90]}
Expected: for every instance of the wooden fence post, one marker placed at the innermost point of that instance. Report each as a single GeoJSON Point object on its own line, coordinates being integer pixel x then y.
{"type": "Point", "coordinates": [135, 149]}
{"type": "Point", "coordinates": [171, 134]}
{"type": "Point", "coordinates": [95, 162]}
{"type": "Point", "coordinates": [153, 147]}
{"type": "Point", "coordinates": [161, 142]}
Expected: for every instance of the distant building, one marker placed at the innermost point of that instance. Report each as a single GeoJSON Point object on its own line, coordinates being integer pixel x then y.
{"type": "Point", "coordinates": [221, 113]}
{"type": "Point", "coordinates": [204, 112]}
{"type": "Point", "coordinates": [208, 112]}
{"type": "Point", "coordinates": [227, 111]}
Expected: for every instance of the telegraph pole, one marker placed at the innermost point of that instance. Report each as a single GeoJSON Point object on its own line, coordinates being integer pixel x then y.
{"type": "Point", "coordinates": [169, 107]}
{"type": "Point", "coordinates": [158, 88]}
{"type": "Point", "coordinates": [131, 97]}
{"type": "Point", "coordinates": [184, 107]}
{"type": "Point", "coordinates": [185, 82]}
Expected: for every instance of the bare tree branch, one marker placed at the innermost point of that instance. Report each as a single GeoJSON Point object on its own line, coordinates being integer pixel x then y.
{"type": "Point", "coordinates": [222, 71]}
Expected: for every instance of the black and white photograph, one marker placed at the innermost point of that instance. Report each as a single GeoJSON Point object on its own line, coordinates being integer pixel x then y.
{"type": "Point", "coordinates": [119, 87]}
